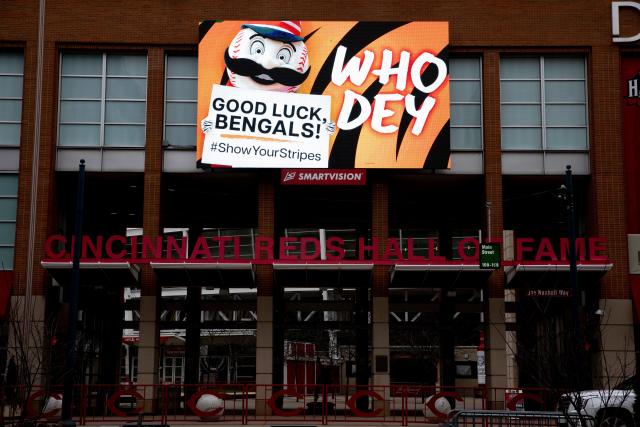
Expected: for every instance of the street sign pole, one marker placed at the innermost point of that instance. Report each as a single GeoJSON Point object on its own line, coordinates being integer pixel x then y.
{"type": "Point", "coordinates": [573, 270]}
{"type": "Point", "coordinates": [74, 291]}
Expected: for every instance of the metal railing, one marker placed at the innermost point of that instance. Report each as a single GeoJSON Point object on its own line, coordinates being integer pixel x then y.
{"type": "Point", "coordinates": [486, 418]}
{"type": "Point", "coordinates": [250, 403]}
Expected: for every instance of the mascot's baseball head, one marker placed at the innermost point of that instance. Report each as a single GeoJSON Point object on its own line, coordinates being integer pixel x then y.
{"type": "Point", "coordinates": [268, 55]}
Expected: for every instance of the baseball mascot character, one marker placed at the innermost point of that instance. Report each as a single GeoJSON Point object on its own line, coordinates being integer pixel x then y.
{"type": "Point", "coordinates": [268, 55]}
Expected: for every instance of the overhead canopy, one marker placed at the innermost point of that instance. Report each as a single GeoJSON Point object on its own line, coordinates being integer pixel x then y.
{"type": "Point", "coordinates": [552, 275]}
{"type": "Point", "coordinates": [343, 274]}
{"type": "Point", "coordinates": [95, 273]}
{"type": "Point", "coordinates": [209, 274]}
{"type": "Point", "coordinates": [439, 275]}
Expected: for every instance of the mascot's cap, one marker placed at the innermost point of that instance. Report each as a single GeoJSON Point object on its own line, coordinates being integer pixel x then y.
{"type": "Point", "coordinates": [284, 31]}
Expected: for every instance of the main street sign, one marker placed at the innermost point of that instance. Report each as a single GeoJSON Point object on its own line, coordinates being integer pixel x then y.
{"type": "Point", "coordinates": [490, 255]}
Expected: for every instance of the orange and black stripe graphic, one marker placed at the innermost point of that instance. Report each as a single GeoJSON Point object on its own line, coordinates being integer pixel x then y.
{"type": "Point", "coordinates": [361, 147]}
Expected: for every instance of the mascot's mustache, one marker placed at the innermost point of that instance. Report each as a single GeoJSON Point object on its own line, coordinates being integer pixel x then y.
{"type": "Point", "coordinates": [249, 68]}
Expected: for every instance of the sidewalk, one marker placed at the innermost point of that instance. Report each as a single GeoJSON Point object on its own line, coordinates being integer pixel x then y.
{"type": "Point", "coordinates": [264, 423]}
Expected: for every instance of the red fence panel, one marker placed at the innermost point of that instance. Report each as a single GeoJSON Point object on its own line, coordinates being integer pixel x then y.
{"type": "Point", "coordinates": [270, 403]}
{"type": "Point", "coordinates": [279, 402]}
{"type": "Point", "coordinates": [366, 404]}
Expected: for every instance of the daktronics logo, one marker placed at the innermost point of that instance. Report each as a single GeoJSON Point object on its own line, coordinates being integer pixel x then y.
{"type": "Point", "coordinates": [289, 176]}
{"type": "Point", "coordinates": [323, 177]}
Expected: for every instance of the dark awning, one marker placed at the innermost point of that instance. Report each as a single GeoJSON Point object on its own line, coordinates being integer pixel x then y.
{"type": "Point", "coordinates": [439, 275]}
{"type": "Point", "coordinates": [95, 273]}
{"type": "Point", "coordinates": [323, 274]}
{"type": "Point", "coordinates": [209, 274]}
{"type": "Point", "coordinates": [552, 275]}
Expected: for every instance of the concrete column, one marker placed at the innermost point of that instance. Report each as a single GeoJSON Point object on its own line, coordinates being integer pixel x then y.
{"type": "Point", "coordinates": [264, 352]}
{"type": "Point", "coordinates": [28, 338]}
{"type": "Point", "coordinates": [617, 352]}
{"type": "Point", "coordinates": [496, 349]}
{"type": "Point", "coordinates": [380, 344]}
{"type": "Point", "coordinates": [380, 315]}
{"type": "Point", "coordinates": [510, 298]}
{"type": "Point", "coordinates": [511, 339]}
{"type": "Point", "coordinates": [149, 339]}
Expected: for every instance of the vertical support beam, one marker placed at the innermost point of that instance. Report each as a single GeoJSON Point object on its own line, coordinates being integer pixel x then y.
{"type": "Point", "coordinates": [495, 313]}
{"type": "Point", "coordinates": [74, 297]}
{"type": "Point", "coordinates": [148, 346]}
{"type": "Point", "coordinates": [149, 334]}
{"type": "Point", "coordinates": [607, 196]}
{"type": "Point", "coordinates": [194, 314]}
{"type": "Point", "coordinates": [264, 351]}
{"type": "Point", "coordinates": [446, 340]}
{"type": "Point", "coordinates": [38, 175]}
{"type": "Point", "coordinates": [269, 333]}
{"type": "Point", "coordinates": [362, 342]}
{"type": "Point", "coordinates": [510, 298]}
{"type": "Point", "coordinates": [578, 335]}
{"type": "Point", "coordinates": [26, 345]}
{"type": "Point", "coordinates": [112, 316]}
{"type": "Point", "coordinates": [192, 338]}
{"type": "Point", "coordinates": [380, 316]}
{"type": "Point", "coordinates": [35, 216]}
{"type": "Point", "coordinates": [446, 367]}
{"type": "Point", "coordinates": [380, 291]}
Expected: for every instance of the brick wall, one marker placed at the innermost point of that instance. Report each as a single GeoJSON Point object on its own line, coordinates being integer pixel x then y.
{"type": "Point", "coordinates": [158, 27]}
{"type": "Point", "coordinates": [266, 228]}
{"type": "Point", "coordinates": [380, 231]}
{"type": "Point", "coordinates": [492, 156]}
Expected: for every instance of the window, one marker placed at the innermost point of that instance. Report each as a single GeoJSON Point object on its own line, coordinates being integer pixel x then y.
{"type": "Point", "coordinates": [469, 248]}
{"type": "Point", "coordinates": [173, 370]}
{"type": "Point", "coordinates": [10, 97]}
{"type": "Point", "coordinates": [543, 103]}
{"type": "Point", "coordinates": [102, 100]}
{"type": "Point", "coordinates": [8, 208]}
{"type": "Point", "coordinates": [466, 370]}
{"type": "Point", "coordinates": [424, 243]}
{"type": "Point", "coordinates": [128, 366]}
{"type": "Point", "coordinates": [181, 91]}
{"type": "Point", "coordinates": [348, 243]}
{"type": "Point", "coordinates": [244, 236]}
{"type": "Point", "coordinates": [466, 103]}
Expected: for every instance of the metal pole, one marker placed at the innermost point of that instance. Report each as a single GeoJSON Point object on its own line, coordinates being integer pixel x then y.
{"type": "Point", "coordinates": [74, 291]}
{"type": "Point", "coordinates": [573, 270]}
{"type": "Point", "coordinates": [488, 206]}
